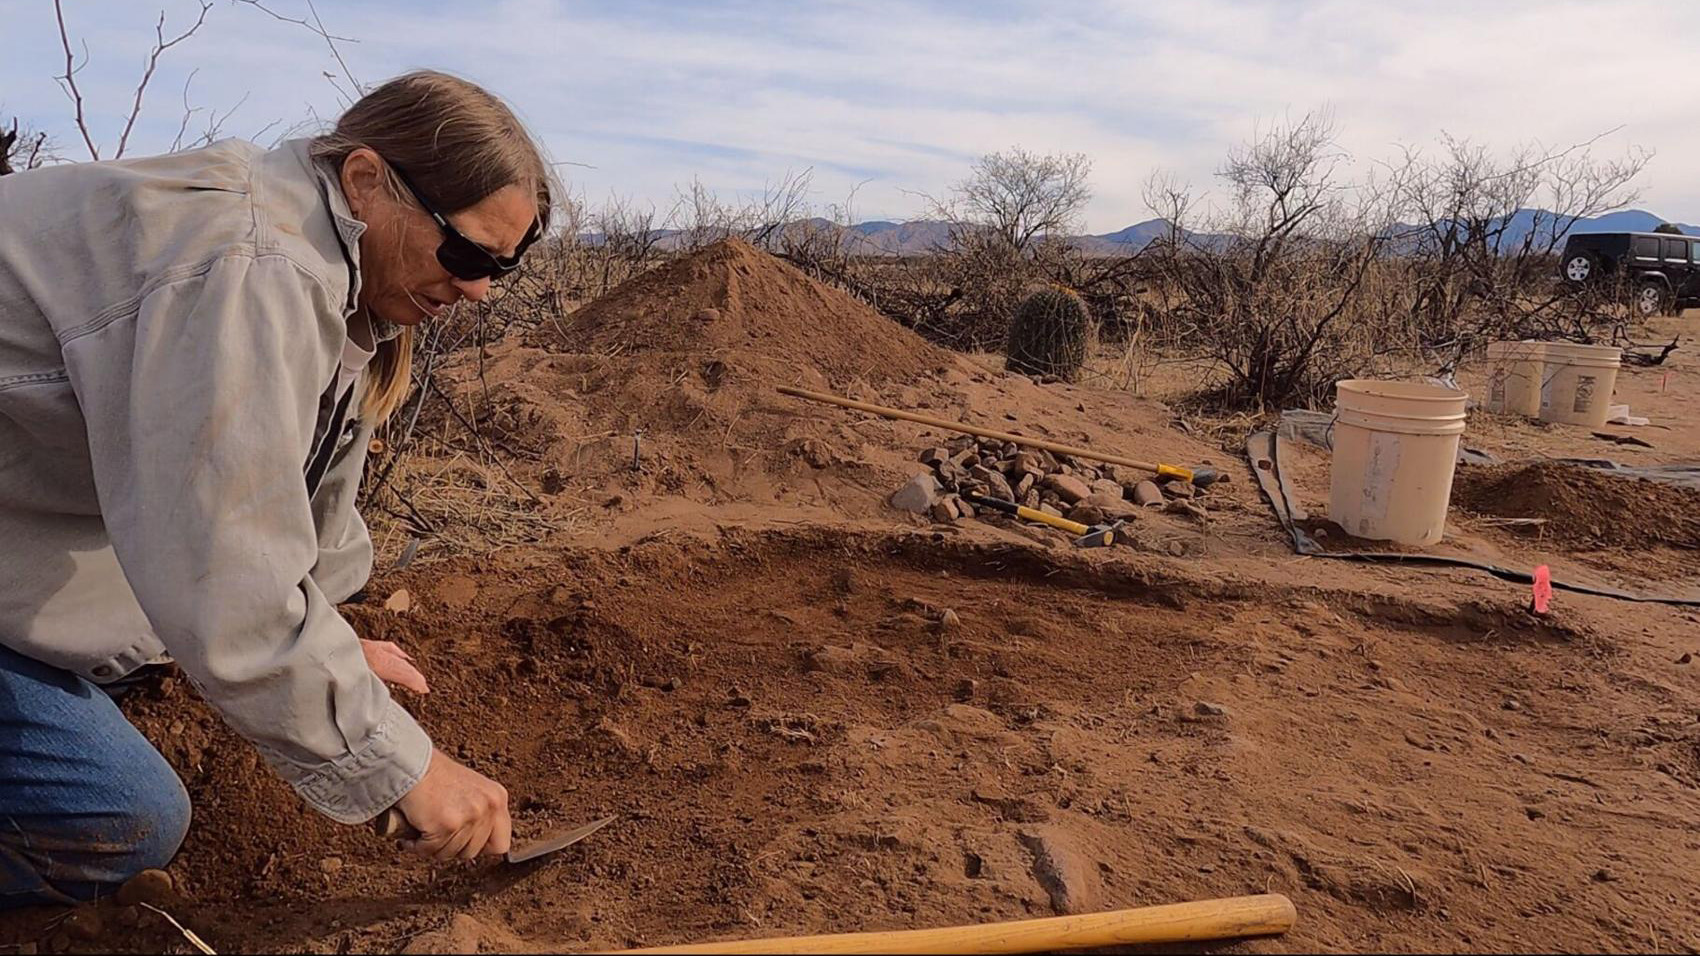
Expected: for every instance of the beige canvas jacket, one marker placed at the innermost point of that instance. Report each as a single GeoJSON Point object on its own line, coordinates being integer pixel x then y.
{"type": "Point", "coordinates": [175, 475]}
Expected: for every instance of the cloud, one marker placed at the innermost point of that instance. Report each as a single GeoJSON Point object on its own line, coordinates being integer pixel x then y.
{"type": "Point", "coordinates": [901, 96]}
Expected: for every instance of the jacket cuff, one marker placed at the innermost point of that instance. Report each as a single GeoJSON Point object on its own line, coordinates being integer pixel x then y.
{"type": "Point", "coordinates": [363, 784]}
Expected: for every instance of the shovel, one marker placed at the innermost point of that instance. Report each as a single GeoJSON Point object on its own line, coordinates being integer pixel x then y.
{"type": "Point", "coordinates": [391, 825]}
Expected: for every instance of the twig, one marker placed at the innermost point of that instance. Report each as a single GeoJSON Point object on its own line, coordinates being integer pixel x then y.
{"type": "Point", "coordinates": [69, 80]}
{"type": "Point", "coordinates": [188, 111]}
{"type": "Point", "coordinates": [161, 44]}
{"type": "Point", "coordinates": [188, 934]}
{"type": "Point", "coordinates": [317, 27]}
{"type": "Point", "coordinates": [479, 438]}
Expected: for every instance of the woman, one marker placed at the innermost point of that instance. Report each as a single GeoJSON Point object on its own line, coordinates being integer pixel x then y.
{"type": "Point", "coordinates": [194, 349]}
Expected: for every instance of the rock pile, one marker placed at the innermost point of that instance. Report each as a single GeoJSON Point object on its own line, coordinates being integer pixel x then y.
{"type": "Point", "coordinates": [1084, 491]}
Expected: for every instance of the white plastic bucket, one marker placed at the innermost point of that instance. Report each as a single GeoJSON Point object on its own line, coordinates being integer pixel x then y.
{"type": "Point", "coordinates": [1514, 378]}
{"type": "Point", "coordinates": [1577, 383]}
{"type": "Point", "coordinates": [1395, 445]}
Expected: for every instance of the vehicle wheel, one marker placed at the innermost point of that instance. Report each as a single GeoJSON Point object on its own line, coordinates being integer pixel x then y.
{"type": "Point", "coordinates": [1650, 299]}
{"type": "Point", "coordinates": [1579, 268]}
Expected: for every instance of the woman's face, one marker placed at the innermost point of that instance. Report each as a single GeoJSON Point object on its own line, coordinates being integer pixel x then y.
{"type": "Point", "coordinates": [401, 280]}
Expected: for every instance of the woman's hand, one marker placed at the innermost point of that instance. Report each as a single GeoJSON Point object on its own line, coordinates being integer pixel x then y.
{"type": "Point", "coordinates": [393, 665]}
{"type": "Point", "coordinates": [459, 812]}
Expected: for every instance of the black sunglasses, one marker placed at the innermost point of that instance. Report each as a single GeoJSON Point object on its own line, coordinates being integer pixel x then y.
{"type": "Point", "coordinates": [464, 259]}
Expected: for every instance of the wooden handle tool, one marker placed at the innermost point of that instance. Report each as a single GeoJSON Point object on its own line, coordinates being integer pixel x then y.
{"type": "Point", "coordinates": [1266, 915]}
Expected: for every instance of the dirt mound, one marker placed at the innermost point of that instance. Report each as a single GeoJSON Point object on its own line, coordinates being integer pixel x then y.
{"type": "Point", "coordinates": [734, 298]}
{"type": "Point", "coordinates": [666, 386]}
{"type": "Point", "coordinates": [1584, 508]}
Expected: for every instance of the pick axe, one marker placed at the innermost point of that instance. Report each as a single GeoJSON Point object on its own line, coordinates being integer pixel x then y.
{"type": "Point", "coordinates": [1086, 536]}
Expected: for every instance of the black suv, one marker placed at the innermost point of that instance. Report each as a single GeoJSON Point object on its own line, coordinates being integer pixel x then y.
{"type": "Point", "coordinates": [1661, 272]}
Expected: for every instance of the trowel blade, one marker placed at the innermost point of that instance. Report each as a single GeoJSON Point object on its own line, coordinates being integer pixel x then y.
{"type": "Point", "coordinates": [559, 841]}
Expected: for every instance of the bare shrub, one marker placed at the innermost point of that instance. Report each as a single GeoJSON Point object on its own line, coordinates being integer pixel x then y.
{"type": "Point", "coordinates": [1481, 253]}
{"type": "Point", "coordinates": [1276, 288]}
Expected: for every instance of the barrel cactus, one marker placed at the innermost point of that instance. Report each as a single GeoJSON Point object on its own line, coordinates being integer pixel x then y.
{"type": "Point", "coordinates": [1048, 335]}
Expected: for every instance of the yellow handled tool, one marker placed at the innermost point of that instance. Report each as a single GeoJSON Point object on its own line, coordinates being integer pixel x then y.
{"type": "Point", "coordinates": [1200, 477]}
{"type": "Point", "coordinates": [1094, 536]}
{"type": "Point", "coordinates": [1268, 915]}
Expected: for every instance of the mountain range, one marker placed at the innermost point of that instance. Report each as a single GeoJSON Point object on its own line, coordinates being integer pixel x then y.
{"type": "Point", "coordinates": [921, 236]}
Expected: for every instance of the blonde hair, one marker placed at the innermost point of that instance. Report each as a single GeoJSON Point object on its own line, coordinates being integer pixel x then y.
{"type": "Point", "coordinates": [458, 144]}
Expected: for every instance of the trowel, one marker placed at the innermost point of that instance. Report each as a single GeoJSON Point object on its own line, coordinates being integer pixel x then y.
{"type": "Point", "coordinates": [391, 825]}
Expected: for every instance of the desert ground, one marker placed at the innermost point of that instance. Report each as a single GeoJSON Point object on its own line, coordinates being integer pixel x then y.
{"type": "Point", "coordinates": [811, 712]}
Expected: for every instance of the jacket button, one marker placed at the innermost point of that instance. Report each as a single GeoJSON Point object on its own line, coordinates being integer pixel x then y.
{"type": "Point", "coordinates": [102, 670]}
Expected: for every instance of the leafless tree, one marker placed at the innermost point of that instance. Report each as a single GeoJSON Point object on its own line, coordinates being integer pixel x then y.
{"type": "Point", "coordinates": [625, 241]}
{"type": "Point", "coordinates": [1273, 289]}
{"type": "Point", "coordinates": [701, 216]}
{"type": "Point", "coordinates": [1484, 232]}
{"type": "Point", "coordinates": [1022, 196]}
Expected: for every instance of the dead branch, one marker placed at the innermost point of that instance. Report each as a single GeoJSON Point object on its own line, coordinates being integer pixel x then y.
{"type": "Point", "coordinates": [317, 27]}
{"type": "Point", "coordinates": [68, 82]}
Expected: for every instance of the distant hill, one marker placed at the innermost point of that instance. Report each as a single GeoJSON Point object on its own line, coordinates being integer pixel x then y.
{"type": "Point", "coordinates": [918, 237]}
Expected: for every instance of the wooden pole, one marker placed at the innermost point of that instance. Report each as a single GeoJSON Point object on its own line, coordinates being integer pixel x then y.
{"type": "Point", "coordinates": [1200, 477]}
{"type": "Point", "coordinates": [1266, 915]}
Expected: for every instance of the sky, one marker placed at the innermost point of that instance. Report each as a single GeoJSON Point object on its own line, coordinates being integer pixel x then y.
{"type": "Point", "coordinates": [893, 101]}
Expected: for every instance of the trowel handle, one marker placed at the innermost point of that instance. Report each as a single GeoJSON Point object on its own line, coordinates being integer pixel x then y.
{"type": "Point", "coordinates": [392, 825]}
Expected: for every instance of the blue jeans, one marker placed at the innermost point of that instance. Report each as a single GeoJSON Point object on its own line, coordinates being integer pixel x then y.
{"type": "Point", "coordinates": [85, 801]}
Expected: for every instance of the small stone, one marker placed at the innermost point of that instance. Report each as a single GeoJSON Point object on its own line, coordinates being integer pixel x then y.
{"type": "Point", "coordinates": [1146, 494]}
{"type": "Point", "coordinates": [994, 481]}
{"type": "Point", "coordinates": [1206, 709]}
{"type": "Point", "coordinates": [1023, 486]}
{"type": "Point", "coordinates": [933, 457]}
{"type": "Point", "coordinates": [1511, 704]}
{"type": "Point", "coordinates": [84, 923]}
{"type": "Point", "coordinates": [1068, 488]}
{"type": "Point", "coordinates": [330, 865]}
{"type": "Point", "coordinates": [155, 887]}
{"type": "Point", "coordinates": [1030, 498]}
{"type": "Point", "coordinates": [1114, 507]}
{"type": "Point", "coordinates": [1104, 486]}
{"type": "Point", "coordinates": [1685, 658]}
{"type": "Point", "coordinates": [1086, 513]}
{"type": "Point", "coordinates": [673, 684]}
{"type": "Point", "coordinates": [1063, 869]}
{"type": "Point", "coordinates": [1050, 509]}
{"type": "Point", "coordinates": [1193, 509]}
{"type": "Point", "coordinates": [1534, 814]}
{"type": "Point", "coordinates": [918, 495]}
{"type": "Point", "coordinates": [944, 511]}
{"type": "Point", "coordinates": [616, 736]}
{"type": "Point", "coordinates": [1604, 876]}
{"type": "Point", "coordinates": [1026, 463]}
{"type": "Point", "coordinates": [965, 689]}
{"type": "Point", "coordinates": [949, 621]}
{"type": "Point", "coordinates": [1179, 489]}
{"type": "Point", "coordinates": [400, 602]}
